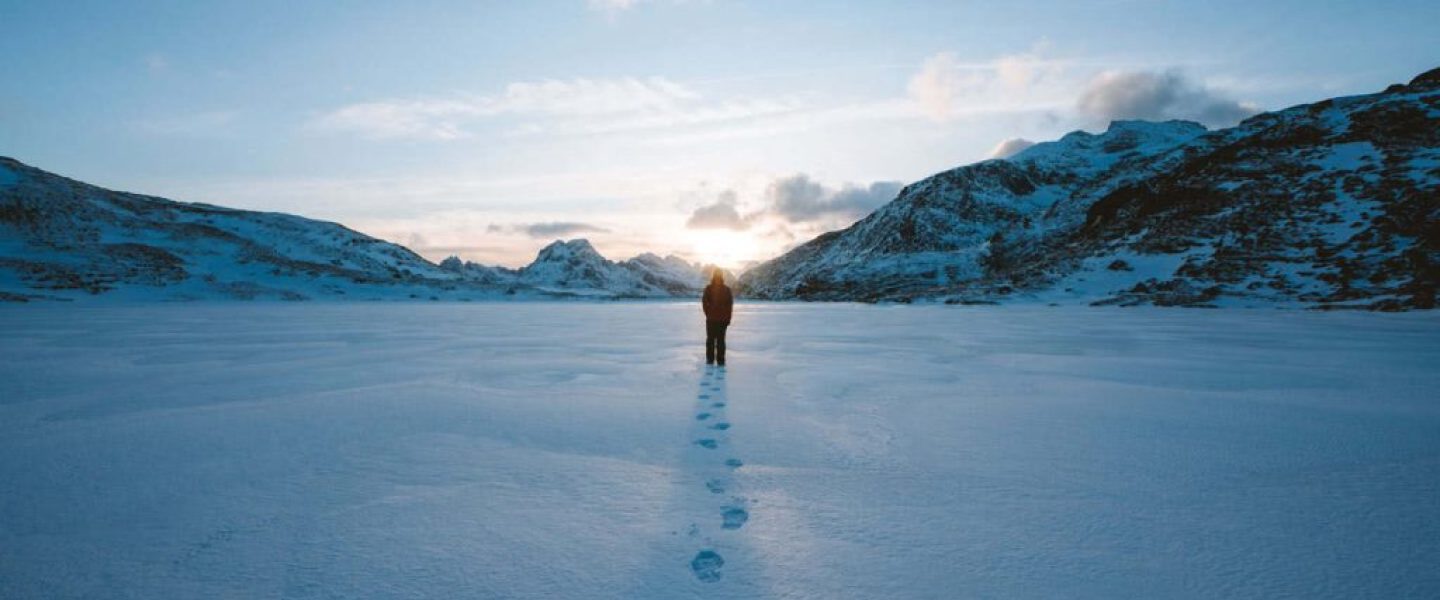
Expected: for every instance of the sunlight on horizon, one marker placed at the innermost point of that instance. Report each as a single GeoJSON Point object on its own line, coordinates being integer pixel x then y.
{"type": "Point", "coordinates": [726, 249]}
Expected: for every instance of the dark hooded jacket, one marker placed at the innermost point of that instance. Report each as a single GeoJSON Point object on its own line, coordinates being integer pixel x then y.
{"type": "Point", "coordinates": [717, 302]}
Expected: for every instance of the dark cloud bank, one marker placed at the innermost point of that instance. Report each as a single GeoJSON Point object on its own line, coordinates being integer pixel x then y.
{"type": "Point", "coordinates": [1157, 97]}
{"type": "Point", "coordinates": [559, 229]}
{"type": "Point", "coordinates": [797, 199]}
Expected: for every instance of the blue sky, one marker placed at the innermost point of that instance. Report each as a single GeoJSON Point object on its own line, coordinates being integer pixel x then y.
{"type": "Point", "coordinates": [719, 130]}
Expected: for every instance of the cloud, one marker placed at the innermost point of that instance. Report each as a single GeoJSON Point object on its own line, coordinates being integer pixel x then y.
{"type": "Point", "coordinates": [1116, 95]}
{"type": "Point", "coordinates": [720, 215]}
{"type": "Point", "coordinates": [418, 119]}
{"type": "Point", "coordinates": [937, 85]}
{"type": "Point", "coordinates": [946, 87]}
{"type": "Point", "coordinates": [794, 200]}
{"type": "Point", "coordinates": [798, 199]}
{"type": "Point", "coordinates": [1010, 147]}
{"type": "Point", "coordinates": [446, 118]}
{"type": "Point", "coordinates": [559, 229]}
{"type": "Point", "coordinates": [688, 116]}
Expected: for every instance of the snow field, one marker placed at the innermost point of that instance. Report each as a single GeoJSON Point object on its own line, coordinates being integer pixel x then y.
{"type": "Point", "coordinates": [567, 450]}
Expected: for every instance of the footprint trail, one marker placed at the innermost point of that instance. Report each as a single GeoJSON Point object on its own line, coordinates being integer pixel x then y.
{"type": "Point", "coordinates": [712, 433]}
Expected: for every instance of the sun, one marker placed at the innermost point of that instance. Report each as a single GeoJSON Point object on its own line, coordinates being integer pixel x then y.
{"type": "Point", "coordinates": [725, 248]}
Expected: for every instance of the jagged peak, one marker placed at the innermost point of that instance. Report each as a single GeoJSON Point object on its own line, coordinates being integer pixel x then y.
{"type": "Point", "coordinates": [671, 260]}
{"type": "Point", "coordinates": [566, 251]}
{"type": "Point", "coordinates": [575, 244]}
{"type": "Point", "coordinates": [566, 248]}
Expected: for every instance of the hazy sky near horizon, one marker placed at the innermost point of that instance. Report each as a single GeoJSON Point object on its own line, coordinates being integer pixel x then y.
{"type": "Point", "coordinates": [719, 130]}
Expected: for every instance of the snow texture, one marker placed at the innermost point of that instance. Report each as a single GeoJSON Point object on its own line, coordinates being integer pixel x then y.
{"type": "Point", "coordinates": [551, 450]}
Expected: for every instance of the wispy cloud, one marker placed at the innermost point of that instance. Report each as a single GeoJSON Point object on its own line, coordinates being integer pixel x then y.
{"type": "Point", "coordinates": [578, 106]}
{"type": "Point", "coordinates": [943, 89]}
{"type": "Point", "coordinates": [946, 87]}
{"type": "Point", "coordinates": [418, 119]}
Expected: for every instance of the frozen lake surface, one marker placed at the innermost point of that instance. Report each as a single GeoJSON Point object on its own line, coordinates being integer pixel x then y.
{"type": "Point", "coordinates": [570, 450]}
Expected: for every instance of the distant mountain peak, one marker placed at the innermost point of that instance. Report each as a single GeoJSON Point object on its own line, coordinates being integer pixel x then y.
{"type": "Point", "coordinates": [578, 248]}
{"type": "Point", "coordinates": [566, 252]}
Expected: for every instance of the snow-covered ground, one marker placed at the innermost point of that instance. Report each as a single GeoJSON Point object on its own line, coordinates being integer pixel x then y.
{"type": "Point", "coordinates": [564, 450]}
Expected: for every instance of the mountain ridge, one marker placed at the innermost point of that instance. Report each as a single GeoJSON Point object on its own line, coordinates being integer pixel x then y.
{"type": "Point", "coordinates": [1332, 204]}
{"type": "Point", "coordinates": [62, 239]}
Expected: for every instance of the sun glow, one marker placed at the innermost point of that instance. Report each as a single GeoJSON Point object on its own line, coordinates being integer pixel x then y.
{"type": "Point", "coordinates": [728, 249]}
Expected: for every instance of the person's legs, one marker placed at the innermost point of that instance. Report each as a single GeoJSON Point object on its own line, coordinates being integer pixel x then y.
{"type": "Point", "coordinates": [709, 343]}
{"type": "Point", "coordinates": [720, 342]}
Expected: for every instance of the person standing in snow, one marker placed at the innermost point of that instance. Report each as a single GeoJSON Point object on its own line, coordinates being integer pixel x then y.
{"type": "Point", "coordinates": [717, 302]}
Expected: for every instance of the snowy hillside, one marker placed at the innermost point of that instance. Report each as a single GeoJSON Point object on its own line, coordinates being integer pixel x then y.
{"type": "Point", "coordinates": [1333, 204]}
{"type": "Point", "coordinates": [60, 238]}
{"type": "Point", "coordinates": [63, 239]}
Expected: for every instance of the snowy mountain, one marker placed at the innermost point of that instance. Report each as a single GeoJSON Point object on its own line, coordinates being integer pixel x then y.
{"type": "Point", "coordinates": [1331, 205]}
{"type": "Point", "coordinates": [63, 239]}
{"type": "Point", "coordinates": [671, 273]}
{"type": "Point", "coordinates": [576, 267]}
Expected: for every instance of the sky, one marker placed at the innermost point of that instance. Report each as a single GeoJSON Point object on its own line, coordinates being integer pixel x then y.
{"type": "Point", "coordinates": [721, 131]}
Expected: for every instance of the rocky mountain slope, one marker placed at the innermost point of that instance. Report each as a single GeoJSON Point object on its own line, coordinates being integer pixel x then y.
{"type": "Point", "coordinates": [63, 239]}
{"type": "Point", "coordinates": [1330, 205]}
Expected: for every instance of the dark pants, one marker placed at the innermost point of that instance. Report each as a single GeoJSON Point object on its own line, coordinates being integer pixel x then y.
{"type": "Point", "coordinates": [715, 341]}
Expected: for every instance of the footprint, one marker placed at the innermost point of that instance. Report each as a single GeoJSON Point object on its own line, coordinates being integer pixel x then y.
{"type": "Point", "coordinates": [702, 416]}
{"type": "Point", "coordinates": [720, 426]}
{"type": "Point", "coordinates": [717, 405]}
{"type": "Point", "coordinates": [733, 463]}
{"type": "Point", "coordinates": [704, 396]}
{"type": "Point", "coordinates": [706, 566]}
{"type": "Point", "coordinates": [734, 517]}
{"type": "Point", "coordinates": [715, 486]}
{"type": "Point", "coordinates": [707, 443]}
